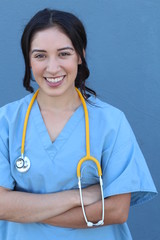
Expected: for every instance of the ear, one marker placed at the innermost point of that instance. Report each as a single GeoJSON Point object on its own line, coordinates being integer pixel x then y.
{"type": "Point", "coordinates": [79, 59]}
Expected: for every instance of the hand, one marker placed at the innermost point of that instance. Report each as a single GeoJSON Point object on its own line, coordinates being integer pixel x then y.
{"type": "Point", "coordinates": [91, 194]}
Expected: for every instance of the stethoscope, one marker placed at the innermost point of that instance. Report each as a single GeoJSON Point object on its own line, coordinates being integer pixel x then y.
{"type": "Point", "coordinates": [23, 163]}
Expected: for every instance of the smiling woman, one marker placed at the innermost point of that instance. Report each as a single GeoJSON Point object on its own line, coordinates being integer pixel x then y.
{"type": "Point", "coordinates": [54, 66]}
{"type": "Point", "coordinates": [57, 126]}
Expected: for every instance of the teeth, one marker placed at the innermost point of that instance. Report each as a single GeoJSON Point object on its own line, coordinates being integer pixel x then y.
{"type": "Point", "coordinates": [54, 80]}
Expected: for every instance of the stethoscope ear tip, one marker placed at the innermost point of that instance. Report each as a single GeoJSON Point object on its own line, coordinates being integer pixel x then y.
{"type": "Point", "coordinates": [89, 224]}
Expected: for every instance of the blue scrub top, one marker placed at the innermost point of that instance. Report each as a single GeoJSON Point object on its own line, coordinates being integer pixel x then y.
{"type": "Point", "coordinates": [53, 165]}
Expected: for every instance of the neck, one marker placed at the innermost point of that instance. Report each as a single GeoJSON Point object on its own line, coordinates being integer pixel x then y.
{"type": "Point", "coordinates": [68, 101]}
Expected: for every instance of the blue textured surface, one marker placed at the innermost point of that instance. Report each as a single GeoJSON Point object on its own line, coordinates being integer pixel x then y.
{"type": "Point", "coordinates": [124, 59]}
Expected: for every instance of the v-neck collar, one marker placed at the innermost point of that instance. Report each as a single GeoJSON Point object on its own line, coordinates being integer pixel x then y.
{"type": "Point", "coordinates": [53, 147]}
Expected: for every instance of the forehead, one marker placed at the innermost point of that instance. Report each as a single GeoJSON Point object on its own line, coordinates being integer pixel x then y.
{"type": "Point", "coordinates": [51, 37]}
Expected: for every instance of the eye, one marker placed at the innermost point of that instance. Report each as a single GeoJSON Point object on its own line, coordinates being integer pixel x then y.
{"type": "Point", "coordinates": [64, 54]}
{"type": "Point", "coordinates": [40, 56]}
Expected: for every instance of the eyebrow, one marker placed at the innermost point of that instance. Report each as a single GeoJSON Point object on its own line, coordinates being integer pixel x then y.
{"type": "Point", "coordinates": [66, 48]}
{"type": "Point", "coordinates": [38, 50]}
{"type": "Point", "coordinates": [60, 49]}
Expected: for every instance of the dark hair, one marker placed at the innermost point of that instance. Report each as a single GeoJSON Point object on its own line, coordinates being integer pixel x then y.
{"type": "Point", "coordinates": [72, 27]}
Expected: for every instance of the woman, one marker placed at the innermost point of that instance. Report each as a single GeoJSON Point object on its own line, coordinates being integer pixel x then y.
{"type": "Point", "coordinates": [43, 192]}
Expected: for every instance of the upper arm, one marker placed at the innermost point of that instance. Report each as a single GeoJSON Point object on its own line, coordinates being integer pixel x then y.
{"type": "Point", "coordinates": [124, 167]}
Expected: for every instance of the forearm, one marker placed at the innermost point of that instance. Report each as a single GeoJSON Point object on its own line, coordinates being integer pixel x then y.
{"type": "Point", "coordinates": [116, 212]}
{"type": "Point", "coordinates": [28, 207]}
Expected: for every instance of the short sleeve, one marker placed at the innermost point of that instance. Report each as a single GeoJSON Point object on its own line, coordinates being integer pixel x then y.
{"type": "Point", "coordinates": [6, 179]}
{"type": "Point", "coordinates": [126, 170]}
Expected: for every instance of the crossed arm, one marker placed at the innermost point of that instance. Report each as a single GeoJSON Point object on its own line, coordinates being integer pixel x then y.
{"type": "Point", "coordinates": [116, 209]}
{"type": "Point", "coordinates": [62, 208]}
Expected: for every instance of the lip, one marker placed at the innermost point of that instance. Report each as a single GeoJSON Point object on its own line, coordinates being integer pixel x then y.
{"type": "Point", "coordinates": [55, 84]}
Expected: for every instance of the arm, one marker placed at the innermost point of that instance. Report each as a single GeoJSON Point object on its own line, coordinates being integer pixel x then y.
{"type": "Point", "coordinates": [28, 207]}
{"type": "Point", "coordinates": [115, 212]}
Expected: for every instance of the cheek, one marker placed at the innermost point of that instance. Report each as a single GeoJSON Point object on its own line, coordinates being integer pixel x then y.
{"type": "Point", "coordinates": [36, 68]}
{"type": "Point", "coordinates": [72, 67]}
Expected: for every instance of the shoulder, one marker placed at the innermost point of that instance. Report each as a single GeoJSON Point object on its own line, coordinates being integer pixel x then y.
{"type": "Point", "coordinates": [11, 116]}
{"type": "Point", "coordinates": [104, 111]}
{"type": "Point", "coordinates": [9, 111]}
{"type": "Point", "coordinates": [109, 121]}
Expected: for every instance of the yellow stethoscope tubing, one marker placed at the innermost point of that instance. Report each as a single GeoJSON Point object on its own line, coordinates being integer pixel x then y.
{"type": "Point", "coordinates": [88, 156]}
{"type": "Point", "coordinates": [26, 122]}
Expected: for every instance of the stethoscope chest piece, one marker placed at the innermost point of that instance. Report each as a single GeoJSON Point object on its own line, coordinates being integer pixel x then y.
{"type": "Point", "coordinates": [23, 164]}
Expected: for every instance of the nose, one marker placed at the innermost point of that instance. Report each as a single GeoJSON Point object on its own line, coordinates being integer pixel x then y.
{"type": "Point", "coordinates": [53, 65]}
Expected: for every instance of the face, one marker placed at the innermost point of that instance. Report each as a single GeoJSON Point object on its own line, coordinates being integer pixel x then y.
{"type": "Point", "coordinates": [54, 62]}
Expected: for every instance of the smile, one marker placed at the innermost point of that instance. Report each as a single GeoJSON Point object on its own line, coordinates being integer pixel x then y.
{"type": "Point", "coordinates": [55, 80]}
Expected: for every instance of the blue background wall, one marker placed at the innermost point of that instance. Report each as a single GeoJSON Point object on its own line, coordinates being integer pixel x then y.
{"type": "Point", "coordinates": [124, 59]}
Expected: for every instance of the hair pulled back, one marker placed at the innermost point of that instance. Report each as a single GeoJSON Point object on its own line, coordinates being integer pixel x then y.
{"type": "Point", "coordinates": [75, 31]}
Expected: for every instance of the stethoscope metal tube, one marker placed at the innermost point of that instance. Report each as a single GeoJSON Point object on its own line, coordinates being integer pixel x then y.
{"type": "Point", "coordinates": [100, 222]}
{"type": "Point", "coordinates": [23, 163]}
